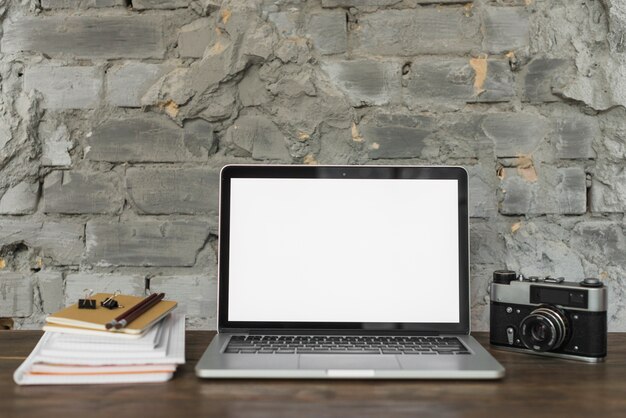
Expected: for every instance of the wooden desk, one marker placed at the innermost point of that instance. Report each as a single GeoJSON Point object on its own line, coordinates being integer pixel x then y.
{"type": "Point", "coordinates": [533, 386]}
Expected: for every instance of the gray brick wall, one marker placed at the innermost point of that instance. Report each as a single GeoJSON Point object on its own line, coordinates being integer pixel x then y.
{"type": "Point", "coordinates": [116, 117]}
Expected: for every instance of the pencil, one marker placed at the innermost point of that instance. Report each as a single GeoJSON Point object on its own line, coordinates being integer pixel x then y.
{"type": "Point", "coordinates": [145, 305]}
{"type": "Point", "coordinates": [112, 324]}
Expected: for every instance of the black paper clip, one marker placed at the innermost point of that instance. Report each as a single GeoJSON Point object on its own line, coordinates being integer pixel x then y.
{"type": "Point", "coordinates": [110, 302]}
{"type": "Point", "coordinates": [87, 303]}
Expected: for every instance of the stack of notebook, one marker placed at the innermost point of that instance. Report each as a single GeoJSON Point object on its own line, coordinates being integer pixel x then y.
{"type": "Point", "coordinates": [78, 348]}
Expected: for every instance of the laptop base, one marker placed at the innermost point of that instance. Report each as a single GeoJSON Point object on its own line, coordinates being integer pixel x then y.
{"type": "Point", "coordinates": [216, 364]}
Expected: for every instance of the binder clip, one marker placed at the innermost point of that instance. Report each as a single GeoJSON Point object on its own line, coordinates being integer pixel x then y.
{"type": "Point", "coordinates": [110, 302]}
{"type": "Point", "coordinates": [87, 303]}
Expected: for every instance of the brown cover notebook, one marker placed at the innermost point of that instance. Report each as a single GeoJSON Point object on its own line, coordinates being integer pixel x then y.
{"type": "Point", "coordinates": [96, 319]}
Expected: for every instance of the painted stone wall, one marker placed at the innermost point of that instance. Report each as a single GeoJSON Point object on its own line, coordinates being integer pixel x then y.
{"type": "Point", "coordinates": [116, 116]}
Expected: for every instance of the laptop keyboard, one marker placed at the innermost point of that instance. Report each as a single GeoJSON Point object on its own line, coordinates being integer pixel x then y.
{"type": "Point", "coordinates": [273, 344]}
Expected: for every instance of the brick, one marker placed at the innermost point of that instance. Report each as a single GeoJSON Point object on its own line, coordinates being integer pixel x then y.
{"type": "Point", "coordinates": [86, 37]}
{"type": "Point", "coordinates": [145, 243]}
{"type": "Point", "coordinates": [20, 199]}
{"type": "Point", "coordinates": [482, 192]}
{"type": "Point", "coordinates": [197, 295]}
{"type": "Point", "coordinates": [556, 191]}
{"type": "Point", "coordinates": [450, 79]}
{"type": "Point", "coordinates": [127, 83]}
{"type": "Point", "coordinates": [505, 29]}
{"type": "Point", "coordinates": [16, 295]}
{"type": "Point", "coordinates": [80, 4]}
{"type": "Point", "coordinates": [396, 136]}
{"type": "Point", "coordinates": [195, 37]}
{"type": "Point", "coordinates": [418, 31]}
{"type": "Point", "coordinates": [515, 134]}
{"type": "Point", "coordinates": [258, 137]}
{"type": "Point", "coordinates": [58, 243]}
{"type": "Point", "coordinates": [150, 138]}
{"type": "Point", "coordinates": [542, 75]}
{"type": "Point", "coordinates": [462, 136]}
{"type": "Point", "coordinates": [65, 87]}
{"type": "Point", "coordinates": [456, 80]}
{"type": "Point", "coordinates": [328, 30]}
{"type": "Point", "coordinates": [56, 145]}
{"type": "Point", "coordinates": [498, 85]}
{"type": "Point", "coordinates": [173, 190]}
{"type": "Point", "coordinates": [366, 82]}
{"type": "Point", "coordinates": [75, 283]}
{"type": "Point", "coordinates": [75, 192]}
{"type": "Point", "coordinates": [50, 286]}
{"type": "Point", "coordinates": [160, 4]}
{"type": "Point", "coordinates": [575, 136]}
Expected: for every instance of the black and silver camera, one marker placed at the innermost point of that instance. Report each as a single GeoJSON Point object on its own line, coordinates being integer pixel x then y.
{"type": "Point", "coordinates": [549, 316]}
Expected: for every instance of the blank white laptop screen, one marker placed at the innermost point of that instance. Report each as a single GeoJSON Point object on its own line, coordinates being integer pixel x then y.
{"type": "Point", "coordinates": [344, 250]}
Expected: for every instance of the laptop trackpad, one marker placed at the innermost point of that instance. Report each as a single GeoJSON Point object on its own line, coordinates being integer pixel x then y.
{"type": "Point", "coordinates": [347, 361]}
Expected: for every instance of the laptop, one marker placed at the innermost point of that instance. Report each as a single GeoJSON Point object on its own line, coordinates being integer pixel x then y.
{"type": "Point", "coordinates": [344, 272]}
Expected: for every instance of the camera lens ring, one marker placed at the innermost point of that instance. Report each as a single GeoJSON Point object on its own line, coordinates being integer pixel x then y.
{"type": "Point", "coordinates": [533, 329]}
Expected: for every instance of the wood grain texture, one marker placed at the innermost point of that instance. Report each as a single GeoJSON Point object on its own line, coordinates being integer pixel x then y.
{"type": "Point", "coordinates": [534, 386]}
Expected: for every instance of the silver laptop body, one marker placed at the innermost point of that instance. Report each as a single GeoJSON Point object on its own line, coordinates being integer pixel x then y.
{"type": "Point", "coordinates": [344, 272]}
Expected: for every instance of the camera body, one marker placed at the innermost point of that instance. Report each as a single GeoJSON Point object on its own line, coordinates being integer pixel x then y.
{"type": "Point", "coordinates": [549, 316]}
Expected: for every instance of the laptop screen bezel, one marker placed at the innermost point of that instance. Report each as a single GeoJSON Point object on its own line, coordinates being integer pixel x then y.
{"type": "Point", "coordinates": [230, 172]}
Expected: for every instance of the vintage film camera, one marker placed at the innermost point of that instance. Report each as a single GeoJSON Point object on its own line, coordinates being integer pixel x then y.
{"type": "Point", "coordinates": [549, 316]}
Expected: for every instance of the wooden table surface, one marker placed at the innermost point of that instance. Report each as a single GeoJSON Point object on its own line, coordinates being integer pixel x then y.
{"type": "Point", "coordinates": [533, 386]}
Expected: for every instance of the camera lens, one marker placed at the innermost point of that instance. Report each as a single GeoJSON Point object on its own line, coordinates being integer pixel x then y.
{"type": "Point", "coordinates": [539, 332]}
{"type": "Point", "coordinates": [544, 329]}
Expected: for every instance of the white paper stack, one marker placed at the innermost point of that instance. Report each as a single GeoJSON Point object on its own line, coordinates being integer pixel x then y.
{"type": "Point", "coordinates": [62, 359]}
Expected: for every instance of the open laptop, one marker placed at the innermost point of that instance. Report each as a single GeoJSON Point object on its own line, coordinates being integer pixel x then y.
{"type": "Point", "coordinates": [344, 272]}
